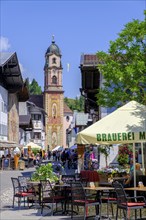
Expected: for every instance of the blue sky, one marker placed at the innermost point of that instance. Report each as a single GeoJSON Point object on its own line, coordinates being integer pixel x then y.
{"type": "Point", "coordinates": [78, 26]}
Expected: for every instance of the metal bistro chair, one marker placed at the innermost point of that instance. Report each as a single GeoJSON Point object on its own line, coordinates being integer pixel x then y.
{"type": "Point", "coordinates": [68, 178]}
{"type": "Point", "coordinates": [18, 192]}
{"type": "Point", "coordinates": [49, 196]}
{"type": "Point", "coordinates": [24, 183]}
{"type": "Point", "coordinates": [79, 198]}
{"type": "Point", "coordinates": [127, 203]}
{"type": "Point", "coordinates": [109, 198]}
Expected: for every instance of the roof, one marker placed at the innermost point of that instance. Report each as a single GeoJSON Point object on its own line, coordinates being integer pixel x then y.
{"type": "Point", "coordinates": [37, 100]}
{"type": "Point", "coordinates": [67, 109]}
{"type": "Point", "coordinates": [89, 59]}
{"type": "Point", "coordinates": [8, 144]}
{"type": "Point", "coordinates": [4, 57]}
{"type": "Point", "coordinates": [10, 74]}
{"type": "Point", "coordinates": [25, 121]}
{"type": "Point", "coordinates": [53, 49]}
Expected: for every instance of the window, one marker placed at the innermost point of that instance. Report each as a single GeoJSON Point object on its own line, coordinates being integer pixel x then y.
{"type": "Point", "coordinates": [54, 80]}
{"type": "Point", "coordinates": [36, 117]}
{"type": "Point", "coordinates": [67, 118]}
{"type": "Point", "coordinates": [3, 107]}
{"type": "Point", "coordinates": [37, 135]}
{"type": "Point", "coordinates": [3, 130]}
{"type": "Point", "coordinates": [54, 60]}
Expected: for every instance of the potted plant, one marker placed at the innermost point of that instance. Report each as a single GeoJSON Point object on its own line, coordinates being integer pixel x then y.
{"type": "Point", "coordinates": [105, 150]}
{"type": "Point", "coordinates": [103, 175]}
{"type": "Point", "coordinates": [124, 154]}
{"type": "Point", "coordinates": [45, 172]}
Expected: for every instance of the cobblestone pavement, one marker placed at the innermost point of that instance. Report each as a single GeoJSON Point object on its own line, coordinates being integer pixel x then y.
{"type": "Point", "coordinates": [6, 197]}
{"type": "Point", "coordinates": [9, 213]}
{"type": "Point", "coordinates": [6, 189]}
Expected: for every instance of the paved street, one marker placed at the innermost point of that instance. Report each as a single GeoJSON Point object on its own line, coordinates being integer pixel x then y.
{"type": "Point", "coordinates": [6, 192]}
{"type": "Point", "coordinates": [8, 213]}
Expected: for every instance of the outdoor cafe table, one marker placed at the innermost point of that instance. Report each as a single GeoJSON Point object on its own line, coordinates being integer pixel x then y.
{"type": "Point", "coordinates": [67, 189]}
{"type": "Point", "coordinates": [37, 185]}
{"type": "Point", "coordinates": [137, 188]}
{"type": "Point", "coordinates": [99, 189]}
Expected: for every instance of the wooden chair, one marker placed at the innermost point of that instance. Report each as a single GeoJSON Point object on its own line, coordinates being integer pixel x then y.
{"type": "Point", "coordinates": [127, 203]}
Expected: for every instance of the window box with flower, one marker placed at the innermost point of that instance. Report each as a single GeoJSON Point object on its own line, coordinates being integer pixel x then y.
{"type": "Point", "coordinates": [110, 173]}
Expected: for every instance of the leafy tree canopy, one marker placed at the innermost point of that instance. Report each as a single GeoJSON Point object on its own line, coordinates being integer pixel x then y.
{"type": "Point", "coordinates": [75, 104]}
{"type": "Point", "coordinates": [34, 88]}
{"type": "Point", "coordinates": [124, 67]}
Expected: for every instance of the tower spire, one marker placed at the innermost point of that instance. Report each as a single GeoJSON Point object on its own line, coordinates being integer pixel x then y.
{"type": "Point", "coordinates": [53, 41]}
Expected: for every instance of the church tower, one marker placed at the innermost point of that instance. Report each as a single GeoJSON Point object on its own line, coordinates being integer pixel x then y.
{"type": "Point", "coordinates": [53, 96]}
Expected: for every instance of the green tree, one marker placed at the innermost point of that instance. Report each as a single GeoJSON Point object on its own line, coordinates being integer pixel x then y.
{"type": "Point", "coordinates": [34, 88]}
{"type": "Point", "coordinates": [124, 67]}
{"type": "Point", "coordinates": [75, 104]}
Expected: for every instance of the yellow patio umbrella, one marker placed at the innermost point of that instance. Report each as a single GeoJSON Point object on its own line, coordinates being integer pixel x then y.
{"type": "Point", "coordinates": [125, 125]}
{"type": "Point", "coordinates": [32, 146]}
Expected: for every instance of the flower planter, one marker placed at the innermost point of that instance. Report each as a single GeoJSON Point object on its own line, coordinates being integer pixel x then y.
{"type": "Point", "coordinates": [103, 177]}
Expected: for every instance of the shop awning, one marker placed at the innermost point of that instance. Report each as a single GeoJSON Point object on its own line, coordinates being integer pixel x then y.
{"type": "Point", "coordinates": [8, 144]}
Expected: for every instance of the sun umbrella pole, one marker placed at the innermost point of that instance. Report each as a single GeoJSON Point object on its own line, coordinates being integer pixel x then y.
{"type": "Point", "coordinates": [134, 167]}
{"type": "Point", "coordinates": [142, 155]}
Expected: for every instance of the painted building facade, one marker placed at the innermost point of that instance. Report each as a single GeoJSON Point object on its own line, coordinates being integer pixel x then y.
{"type": "Point", "coordinates": [53, 96]}
{"type": "Point", "coordinates": [11, 83]}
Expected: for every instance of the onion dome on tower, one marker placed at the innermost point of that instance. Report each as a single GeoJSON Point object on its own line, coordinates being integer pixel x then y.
{"type": "Point", "coordinates": [53, 48]}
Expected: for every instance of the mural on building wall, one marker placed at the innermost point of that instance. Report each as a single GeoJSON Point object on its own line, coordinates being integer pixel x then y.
{"type": "Point", "coordinates": [54, 110]}
{"type": "Point", "coordinates": [54, 116]}
{"type": "Point", "coordinates": [54, 139]}
{"type": "Point", "coordinates": [13, 118]}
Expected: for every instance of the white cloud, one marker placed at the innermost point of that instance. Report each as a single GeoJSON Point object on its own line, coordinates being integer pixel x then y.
{"type": "Point", "coordinates": [4, 44]}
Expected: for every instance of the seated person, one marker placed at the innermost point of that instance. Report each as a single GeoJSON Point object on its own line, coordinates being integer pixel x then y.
{"type": "Point", "coordinates": [130, 181]}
